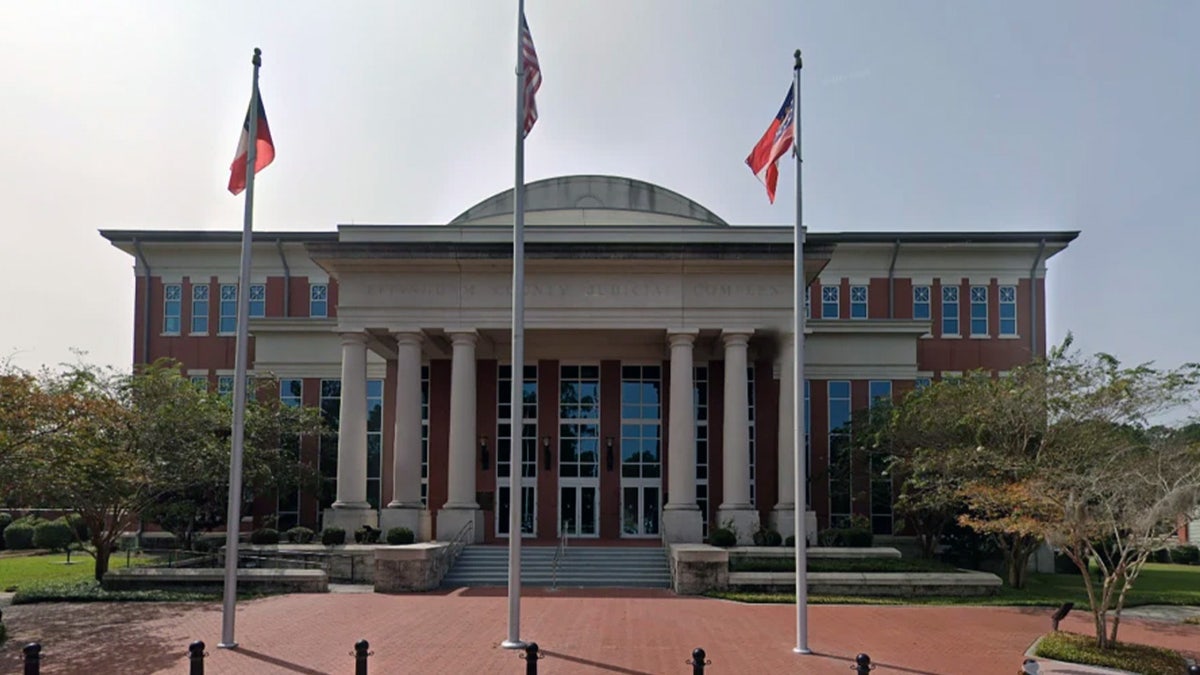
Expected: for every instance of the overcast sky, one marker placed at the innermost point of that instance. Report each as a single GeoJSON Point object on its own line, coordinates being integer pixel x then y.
{"type": "Point", "coordinates": [917, 115]}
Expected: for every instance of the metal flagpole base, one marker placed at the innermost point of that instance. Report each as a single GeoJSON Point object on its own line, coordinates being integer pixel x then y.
{"type": "Point", "coordinates": [227, 645]}
{"type": "Point", "coordinates": [513, 644]}
{"type": "Point", "coordinates": [802, 650]}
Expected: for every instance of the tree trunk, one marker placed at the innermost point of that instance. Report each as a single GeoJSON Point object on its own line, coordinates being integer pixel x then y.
{"type": "Point", "coordinates": [103, 551]}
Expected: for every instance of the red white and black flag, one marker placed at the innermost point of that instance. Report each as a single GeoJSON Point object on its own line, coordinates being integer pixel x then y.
{"type": "Point", "coordinates": [533, 75]}
{"type": "Point", "coordinates": [764, 158]}
{"type": "Point", "coordinates": [264, 148]}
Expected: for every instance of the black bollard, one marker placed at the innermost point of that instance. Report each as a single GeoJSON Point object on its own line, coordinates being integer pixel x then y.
{"type": "Point", "coordinates": [361, 652]}
{"type": "Point", "coordinates": [1194, 670]}
{"type": "Point", "coordinates": [531, 657]}
{"type": "Point", "coordinates": [862, 664]}
{"type": "Point", "coordinates": [698, 661]}
{"type": "Point", "coordinates": [33, 658]}
{"type": "Point", "coordinates": [196, 656]}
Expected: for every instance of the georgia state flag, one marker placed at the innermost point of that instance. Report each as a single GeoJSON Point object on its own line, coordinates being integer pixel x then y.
{"type": "Point", "coordinates": [764, 158]}
{"type": "Point", "coordinates": [264, 149]}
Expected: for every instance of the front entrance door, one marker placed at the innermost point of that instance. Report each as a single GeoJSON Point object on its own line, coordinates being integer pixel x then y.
{"type": "Point", "coordinates": [579, 451]}
{"type": "Point", "coordinates": [578, 509]}
{"type": "Point", "coordinates": [639, 509]}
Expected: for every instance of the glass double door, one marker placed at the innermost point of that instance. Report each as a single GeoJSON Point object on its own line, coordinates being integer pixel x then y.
{"type": "Point", "coordinates": [579, 508]}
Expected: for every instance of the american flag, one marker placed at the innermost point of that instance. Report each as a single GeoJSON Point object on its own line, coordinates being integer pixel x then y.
{"type": "Point", "coordinates": [533, 75]}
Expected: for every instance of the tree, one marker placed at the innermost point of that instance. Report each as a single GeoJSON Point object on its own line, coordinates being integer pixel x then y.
{"type": "Point", "coordinates": [134, 439]}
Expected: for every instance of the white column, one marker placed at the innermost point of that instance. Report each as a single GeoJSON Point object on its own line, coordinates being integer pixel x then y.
{"type": "Point", "coordinates": [352, 425]}
{"type": "Point", "coordinates": [735, 507]}
{"type": "Point", "coordinates": [681, 516]}
{"type": "Point", "coordinates": [461, 493]}
{"type": "Point", "coordinates": [787, 429]}
{"type": "Point", "coordinates": [406, 455]}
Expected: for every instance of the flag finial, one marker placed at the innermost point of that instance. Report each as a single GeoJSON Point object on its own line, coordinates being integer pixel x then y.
{"type": "Point", "coordinates": [257, 60]}
{"type": "Point", "coordinates": [798, 63]}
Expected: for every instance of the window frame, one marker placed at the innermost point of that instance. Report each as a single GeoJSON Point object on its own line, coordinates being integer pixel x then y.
{"type": "Point", "coordinates": [201, 315]}
{"type": "Point", "coordinates": [323, 300]}
{"type": "Point", "coordinates": [951, 317]}
{"type": "Point", "coordinates": [975, 306]}
{"type": "Point", "coordinates": [1010, 304]}
{"type": "Point", "coordinates": [172, 309]}
{"type": "Point", "coordinates": [222, 304]}
{"type": "Point", "coordinates": [831, 298]}
{"type": "Point", "coordinates": [860, 309]}
{"type": "Point", "coordinates": [258, 308]}
{"type": "Point", "coordinates": [926, 303]}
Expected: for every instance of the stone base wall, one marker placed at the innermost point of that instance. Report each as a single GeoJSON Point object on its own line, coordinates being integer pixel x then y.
{"type": "Point", "coordinates": [416, 567]}
{"type": "Point", "coordinates": [698, 568]}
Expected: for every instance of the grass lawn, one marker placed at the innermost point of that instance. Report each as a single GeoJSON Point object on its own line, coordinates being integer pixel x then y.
{"type": "Point", "coordinates": [751, 564]}
{"type": "Point", "coordinates": [1076, 648]}
{"type": "Point", "coordinates": [24, 570]}
{"type": "Point", "coordinates": [1158, 584]}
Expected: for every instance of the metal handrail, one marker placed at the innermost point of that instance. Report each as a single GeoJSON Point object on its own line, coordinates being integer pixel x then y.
{"type": "Point", "coordinates": [560, 552]}
{"type": "Point", "coordinates": [459, 542]}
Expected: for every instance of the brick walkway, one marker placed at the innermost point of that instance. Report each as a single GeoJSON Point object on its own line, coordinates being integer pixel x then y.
{"type": "Point", "coordinates": [628, 632]}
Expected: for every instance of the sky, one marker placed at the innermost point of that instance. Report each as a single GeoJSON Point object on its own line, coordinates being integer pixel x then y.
{"type": "Point", "coordinates": [916, 115]}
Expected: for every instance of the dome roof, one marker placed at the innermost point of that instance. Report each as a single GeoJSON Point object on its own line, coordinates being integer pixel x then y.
{"type": "Point", "coordinates": [596, 200]}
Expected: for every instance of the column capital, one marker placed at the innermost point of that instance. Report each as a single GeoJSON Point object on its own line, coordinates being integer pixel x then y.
{"type": "Point", "coordinates": [731, 337]}
{"type": "Point", "coordinates": [406, 337]}
{"type": "Point", "coordinates": [464, 337]}
{"type": "Point", "coordinates": [354, 338]}
{"type": "Point", "coordinates": [682, 338]}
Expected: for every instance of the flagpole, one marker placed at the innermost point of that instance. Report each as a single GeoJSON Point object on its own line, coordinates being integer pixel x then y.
{"type": "Point", "coordinates": [800, 449]}
{"type": "Point", "coordinates": [234, 520]}
{"type": "Point", "coordinates": [516, 446]}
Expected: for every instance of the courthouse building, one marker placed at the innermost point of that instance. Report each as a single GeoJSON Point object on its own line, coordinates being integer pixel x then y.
{"type": "Point", "coordinates": [657, 378]}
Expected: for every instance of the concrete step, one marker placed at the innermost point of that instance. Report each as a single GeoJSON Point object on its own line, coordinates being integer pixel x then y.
{"type": "Point", "coordinates": [612, 567]}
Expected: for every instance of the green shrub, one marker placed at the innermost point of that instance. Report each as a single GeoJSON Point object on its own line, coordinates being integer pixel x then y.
{"type": "Point", "coordinates": [18, 536]}
{"type": "Point", "coordinates": [264, 536]}
{"type": "Point", "coordinates": [333, 536]}
{"type": "Point", "coordinates": [854, 537]}
{"type": "Point", "coordinates": [53, 534]}
{"type": "Point", "coordinates": [398, 536]}
{"type": "Point", "coordinates": [1064, 565]}
{"type": "Point", "coordinates": [774, 538]}
{"type": "Point", "coordinates": [1185, 555]}
{"type": "Point", "coordinates": [723, 537]}
{"type": "Point", "coordinates": [300, 535]}
{"type": "Point", "coordinates": [790, 541]}
{"type": "Point", "coordinates": [79, 528]}
{"type": "Point", "coordinates": [366, 535]}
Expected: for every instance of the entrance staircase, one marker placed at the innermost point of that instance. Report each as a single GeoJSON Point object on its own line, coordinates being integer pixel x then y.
{"type": "Point", "coordinates": [581, 567]}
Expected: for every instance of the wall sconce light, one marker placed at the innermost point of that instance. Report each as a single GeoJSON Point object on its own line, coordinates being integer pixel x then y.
{"type": "Point", "coordinates": [608, 455]}
{"type": "Point", "coordinates": [484, 459]}
{"type": "Point", "coordinates": [546, 452]}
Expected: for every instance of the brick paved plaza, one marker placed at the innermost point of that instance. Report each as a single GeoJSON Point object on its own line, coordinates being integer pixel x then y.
{"type": "Point", "coordinates": [627, 632]}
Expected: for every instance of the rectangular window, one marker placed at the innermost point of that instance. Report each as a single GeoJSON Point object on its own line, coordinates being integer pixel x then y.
{"type": "Point", "coordinates": [641, 450]}
{"type": "Point", "coordinates": [424, 434]}
{"type": "Point", "coordinates": [881, 478]}
{"type": "Point", "coordinates": [922, 382]}
{"type": "Point", "coordinates": [579, 422]}
{"type": "Point", "coordinates": [172, 306]}
{"type": "Point", "coordinates": [830, 302]}
{"type": "Point", "coordinates": [528, 444]}
{"type": "Point", "coordinates": [318, 300]}
{"type": "Point", "coordinates": [979, 310]}
{"type": "Point", "coordinates": [258, 301]}
{"type": "Point", "coordinates": [921, 303]}
{"type": "Point", "coordinates": [228, 321]}
{"type": "Point", "coordinates": [225, 385]}
{"type": "Point", "coordinates": [808, 442]}
{"type": "Point", "coordinates": [807, 305]}
{"type": "Point", "coordinates": [750, 432]}
{"type": "Point", "coordinates": [200, 382]}
{"type": "Point", "coordinates": [858, 302]}
{"type": "Point", "coordinates": [839, 453]}
{"type": "Point", "coordinates": [374, 440]}
{"type": "Point", "coordinates": [950, 311]}
{"type": "Point", "coordinates": [200, 308]}
{"type": "Point", "coordinates": [700, 405]}
{"type": "Point", "coordinates": [1008, 310]}
{"type": "Point", "coordinates": [331, 411]}
{"type": "Point", "coordinates": [287, 506]}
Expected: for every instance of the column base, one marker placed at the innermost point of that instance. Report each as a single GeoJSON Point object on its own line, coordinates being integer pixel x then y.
{"type": "Point", "coordinates": [783, 521]}
{"type": "Point", "coordinates": [451, 519]}
{"type": "Point", "coordinates": [682, 525]}
{"type": "Point", "coordinates": [743, 520]}
{"type": "Point", "coordinates": [415, 518]}
{"type": "Point", "coordinates": [349, 518]}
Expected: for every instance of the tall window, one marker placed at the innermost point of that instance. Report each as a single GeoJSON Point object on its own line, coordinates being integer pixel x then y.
{"type": "Point", "coordinates": [750, 433]}
{"type": "Point", "coordinates": [331, 412]}
{"type": "Point", "coordinates": [287, 507]}
{"type": "Point", "coordinates": [858, 302]}
{"type": "Point", "coordinates": [881, 477]}
{"type": "Point", "coordinates": [374, 439]}
{"type": "Point", "coordinates": [579, 449]}
{"type": "Point", "coordinates": [641, 449]}
{"type": "Point", "coordinates": [318, 300]}
{"type": "Point", "coordinates": [1008, 310]}
{"type": "Point", "coordinates": [528, 444]}
{"type": "Point", "coordinates": [200, 308]}
{"type": "Point", "coordinates": [700, 401]}
{"type": "Point", "coordinates": [228, 320]}
{"type": "Point", "coordinates": [258, 301]}
{"type": "Point", "coordinates": [921, 302]}
{"type": "Point", "coordinates": [839, 453]}
{"type": "Point", "coordinates": [172, 306]}
{"type": "Point", "coordinates": [808, 442]}
{"type": "Point", "coordinates": [949, 310]}
{"type": "Point", "coordinates": [979, 310]}
{"type": "Point", "coordinates": [830, 302]}
{"type": "Point", "coordinates": [425, 435]}
{"type": "Point", "coordinates": [225, 385]}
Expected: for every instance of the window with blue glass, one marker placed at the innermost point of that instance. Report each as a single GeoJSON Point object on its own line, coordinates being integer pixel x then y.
{"type": "Point", "coordinates": [331, 411]}
{"type": "Point", "coordinates": [172, 306]}
{"type": "Point", "coordinates": [287, 505]}
{"type": "Point", "coordinates": [858, 302]}
{"type": "Point", "coordinates": [318, 300]}
{"type": "Point", "coordinates": [922, 382]}
{"type": "Point", "coordinates": [830, 302]}
{"type": "Point", "coordinates": [200, 308]}
{"type": "Point", "coordinates": [808, 442]}
{"type": "Point", "coordinates": [200, 382]}
{"type": "Point", "coordinates": [700, 401]}
{"type": "Point", "coordinates": [374, 439]}
{"type": "Point", "coordinates": [641, 450]}
{"type": "Point", "coordinates": [225, 385]}
{"type": "Point", "coordinates": [880, 390]}
{"type": "Point", "coordinates": [839, 453]}
{"type": "Point", "coordinates": [228, 320]}
{"type": "Point", "coordinates": [921, 303]}
{"type": "Point", "coordinates": [1008, 310]}
{"type": "Point", "coordinates": [528, 444]}
{"type": "Point", "coordinates": [979, 310]}
{"type": "Point", "coordinates": [881, 478]}
{"type": "Point", "coordinates": [949, 310]}
{"type": "Point", "coordinates": [258, 300]}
